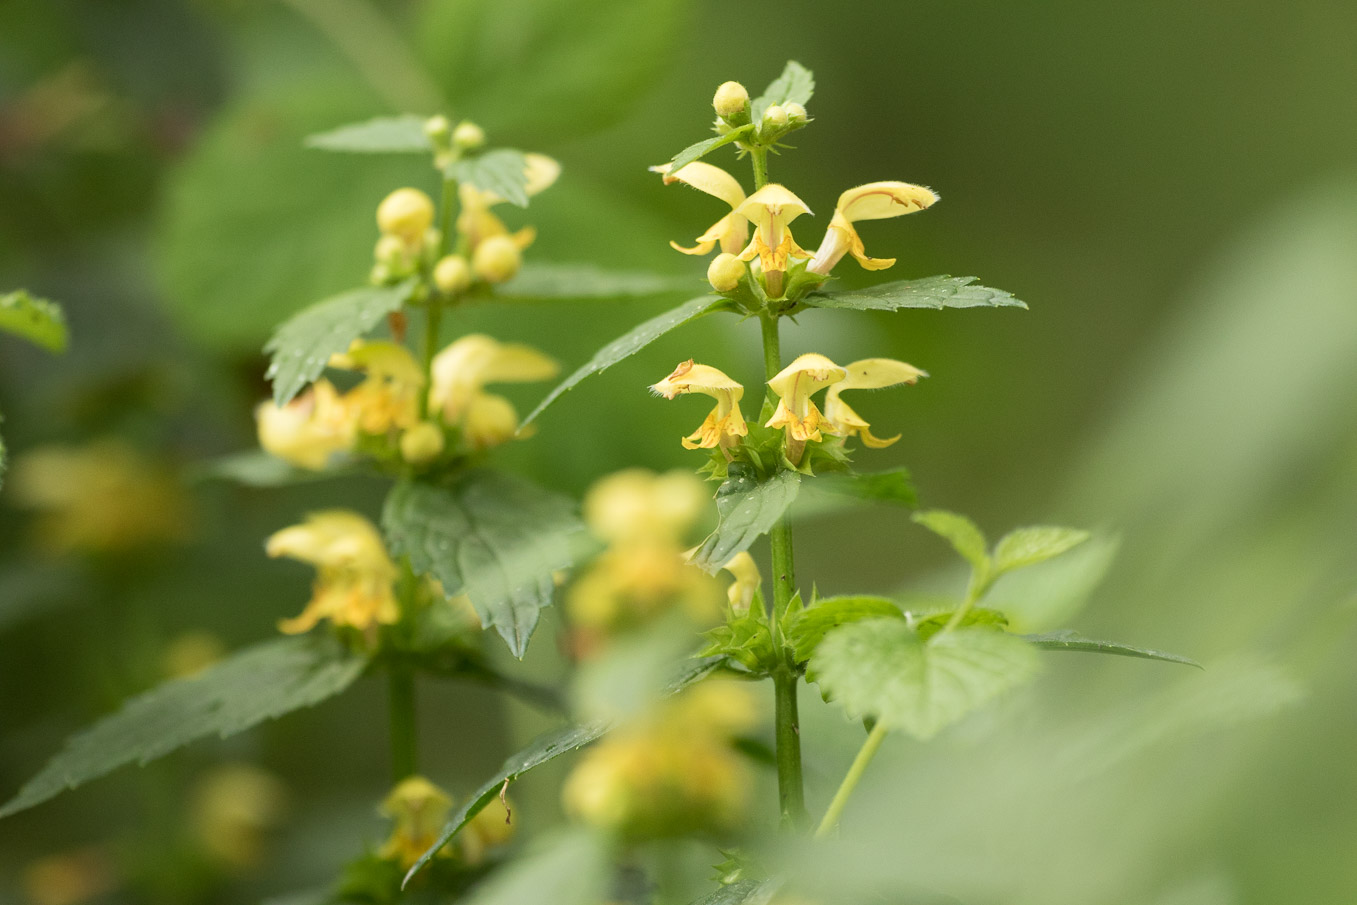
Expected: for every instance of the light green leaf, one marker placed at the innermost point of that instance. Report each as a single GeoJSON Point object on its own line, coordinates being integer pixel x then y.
{"type": "Point", "coordinates": [930, 625]}
{"type": "Point", "coordinates": [960, 532]}
{"type": "Point", "coordinates": [796, 85]}
{"type": "Point", "coordinates": [880, 668]}
{"type": "Point", "coordinates": [256, 468]}
{"type": "Point", "coordinates": [36, 320]}
{"type": "Point", "coordinates": [503, 172]}
{"type": "Point", "coordinates": [746, 508]}
{"type": "Point", "coordinates": [494, 537]}
{"type": "Point", "coordinates": [1049, 595]}
{"type": "Point", "coordinates": [256, 684]}
{"type": "Point", "coordinates": [698, 150]}
{"type": "Point", "coordinates": [1029, 546]}
{"type": "Point", "coordinates": [927, 292]}
{"type": "Point", "coordinates": [302, 346]}
{"type": "Point", "coordinates": [745, 892]}
{"type": "Point", "coordinates": [808, 628]}
{"type": "Point", "coordinates": [579, 281]}
{"type": "Point", "coordinates": [382, 135]}
{"type": "Point", "coordinates": [630, 343]}
{"type": "Point", "coordinates": [1071, 640]}
{"type": "Point", "coordinates": [570, 868]}
{"type": "Point", "coordinates": [893, 486]}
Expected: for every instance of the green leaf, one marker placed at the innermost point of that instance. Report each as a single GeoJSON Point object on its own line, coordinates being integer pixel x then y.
{"type": "Point", "coordinates": [382, 135]}
{"type": "Point", "coordinates": [746, 509]}
{"type": "Point", "coordinates": [1049, 595]}
{"type": "Point", "coordinates": [494, 537]}
{"type": "Point", "coordinates": [36, 320]}
{"type": "Point", "coordinates": [256, 684]}
{"type": "Point", "coordinates": [580, 281]}
{"type": "Point", "coordinates": [928, 292]}
{"type": "Point", "coordinates": [960, 532]}
{"type": "Point", "coordinates": [570, 868]}
{"type": "Point", "coordinates": [503, 172]}
{"type": "Point", "coordinates": [893, 486]}
{"type": "Point", "coordinates": [1070, 640]}
{"type": "Point", "coordinates": [630, 343]}
{"type": "Point", "coordinates": [880, 668]}
{"type": "Point", "coordinates": [256, 468]}
{"type": "Point", "coordinates": [796, 85]}
{"type": "Point", "coordinates": [1029, 546]}
{"type": "Point", "coordinates": [745, 892]}
{"type": "Point", "coordinates": [701, 149]}
{"type": "Point", "coordinates": [302, 346]}
{"type": "Point", "coordinates": [930, 625]}
{"type": "Point", "coordinates": [809, 627]}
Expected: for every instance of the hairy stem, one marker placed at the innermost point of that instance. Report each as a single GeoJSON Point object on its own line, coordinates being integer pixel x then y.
{"type": "Point", "coordinates": [759, 157]}
{"type": "Point", "coordinates": [850, 781]}
{"type": "Point", "coordinates": [404, 734]}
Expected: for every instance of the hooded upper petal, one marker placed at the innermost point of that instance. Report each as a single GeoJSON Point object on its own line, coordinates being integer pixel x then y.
{"type": "Point", "coordinates": [732, 230]}
{"type": "Point", "coordinates": [725, 424]}
{"type": "Point", "coordinates": [867, 374]}
{"type": "Point", "coordinates": [873, 201]}
{"type": "Point", "coordinates": [467, 365]}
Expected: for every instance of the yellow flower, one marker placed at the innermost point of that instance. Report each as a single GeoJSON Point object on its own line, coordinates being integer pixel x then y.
{"type": "Point", "coordinates": [747, 580]}
{"type": "Point", "coordinates": [873, 201]}
{"type": "Point", "coordinates": [233, 809]}
{"type": "Point", "coordinates": [771, 209]}
{"type": "Point", "coordinates": [725, 425]}
{"type": "Point", "coordinates": [465, 367]}
{"type": "Point", "coordinates": [489, 828]}
{"type": "Point", "coordinates": [732, 230]}
{"type": "Point", "coordinates": [355, 582]}
{"type": "Point", "coordinates": [477, 222]}
{"type": "Point", "coordinates": [794, 385]}
{"type": "Point", "coordinates": [867, 374]}
{"type": "Point", "coordinates": [388, 397]}
{"type": "Point", "coordinates": [308, 430]}
{"type": "Point", "coordinates": [636, 505]}
{"type": "Point", "coordinates": [405, 213]}
{"type": "Point", "coordinates": [419, 809]}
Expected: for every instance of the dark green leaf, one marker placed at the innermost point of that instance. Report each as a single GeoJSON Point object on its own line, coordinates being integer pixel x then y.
{"type": "Point", "coordinates": [1070, 640]}
{"type": "Point", "coordinates": [746, 508]}
{"type": "Point", "coordinates": [383, 135]}
{"type": "Point", "coordinates": [302, 346]}
{"type": "Point", "coordinates": [927, 292]}
{"type": "Point", "coordinates": [702, 148]}
{"type": "Point", "coordinates": [494, 537]}
{"type": "Point", "coordinates": [577, 281]}
{"type": "Point", "coordinates": [892, 486]}
{"type": "Point", "coordinates": [1029, 546]}
{"type": "Point", "coordinates": [256, 684]}
{"type": "Point", "coordinates": [796, 85]}
{"type": "Point", "coordinates": [36, 320]}
{"type": "Point", "coordinates": [960, 532]}
{"type": "Point", "coordinates": [810, 625]}
{"type": "Point", "coordinates": [630, 343]}
{"type": "Point", "coordinates": [503, 172]}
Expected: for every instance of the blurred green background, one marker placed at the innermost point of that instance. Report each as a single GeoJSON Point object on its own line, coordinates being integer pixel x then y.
{"type": "Point", "coordinates": [1171, 186]}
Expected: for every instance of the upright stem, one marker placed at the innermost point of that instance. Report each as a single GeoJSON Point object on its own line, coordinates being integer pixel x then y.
{"type": "Point", "coordinates": [404, 735]}
{"type": "Point", "coordinates": [850, 780]}
{"type": "Point", "coordinates": [433, 308]}
{"type": "Point", "coordinates": [760, 158]}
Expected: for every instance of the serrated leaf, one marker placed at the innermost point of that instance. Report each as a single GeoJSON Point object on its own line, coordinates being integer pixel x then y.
{"type": "Point", "coordinates": [37, 320]}
{"type": "Point", "coordinates": [960, 532]}
{"type": "Point", "coordinates": [1071, 640]}
{"type": "Point", "coordinates": [747, 508]}
{"type": "Point", "coordinates": [630, 343]}
{"type": "Point", "coordinates": [494, 537]}
{"type": "Point", "coordinates": [811, 625]}
{"type": "Point", "coordinates": [796, 85]}
{"type": "Point", "coordinates": [254, 685]}
{"type": "Point", "coordinates": [382, 135]}
{"type": "Point", "coordinates": [893, 486]}
{"type": "Point", "coordinates": [302, 346]}
{"type": "Point", "coordinates": [700, 149]}
{"type": "Point", "coordinates": [580, 281]}
{"type": "Point", "coordinates": [1029, 546]}
{"type": "Point", "coordinates": [570, 868]}
{"type": "Point", "coordinates": [502, 172]}
{"type": "Point", "coordinates": [881, 668]}
{"type": "Point", "coordinates": [927, 292]}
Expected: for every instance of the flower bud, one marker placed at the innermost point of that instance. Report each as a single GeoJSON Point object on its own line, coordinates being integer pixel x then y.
{"type": "Point", "coordinates": [405, 213]}
{"type": "Point", "coordinates": [422, 443]}
{"type": "Point", "coordinates": [389, 251]}
{"type": "Point", "coordinates": [468, 136]}
{"type": "Point", "coordinates": [775, 117]}
{"type": "Point", "coordinates": [452, 274]}
{"type": "Point", "coordinates": [725, 272]}
{"type": "Point", "coordinates": [496, 259]}
{"type": "Point", "coordinates": [731, 100]}
{"type": "Point", "coordinates": [796, 114]}
{"type": "Point", "coordinates": [438, 129]}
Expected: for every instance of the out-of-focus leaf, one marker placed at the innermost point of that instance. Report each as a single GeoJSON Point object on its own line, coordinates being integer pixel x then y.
{"type": "Point", "coordinates": [700, 149]}
{"type": "Point", "coordinates": [747, 508]}
{"type": "Point", "coordinates": [32, 590]}
{"type": "Point", "coordinates": [571, 868]}
{"type": "Point", "coordinates": [630, 343]}
{"type": "Point", "coordinates": [502, 172]}
{"type": "Point", "coordinates": [1071, 640]}
{"type": "Point", "coordinates": [301, 347]}
{"type": "Point", "coordinates": [808, 627]}
{"type": "Point", "coordinates": [1051, 593]}
{"type": "Point", "coordinates": [881, 668]}
{"type": "Point", "coordinates": [933, 623]}
{"type": "Point", "coordinates": [1024, 547]}
{"type": "Point", "coordinates": [893, 486]}
{"type": "Point", "coordinates": [927, 292]}
{"type": "Point", "coordinates": [796, 85]}
{"type": "Point", "coordinates": [628, 678]}
{"type": "Point", "coordinates": [494, 537]}
{"type": "Point", "coordinates": [745, 892]}
{"type": "Point", "coordinates": [960, 532]}
{"type": "Point", "coordinates": [578, 281]}
{"type": "Point", "coordinates": [256, 684]}
{"type": "Point", "coordinates": [37, 320]}
{"type": "Point", "coordinates": [382, 135]}
{"type": "Point", "coordinates": [256, 468]}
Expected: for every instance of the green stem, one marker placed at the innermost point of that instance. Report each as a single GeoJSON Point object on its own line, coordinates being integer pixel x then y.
{"type": "Point", "coordinates": [772, 346]}
{"type": "Point", "coordinates": [759, 156]}
{"type": "Point", "coordinates": [433, 314]}
{"type": "Point", "coordinates": [979, 584]}
{"type": "Point", "coordinates": [850, 780]}
{"type": "Point", "coordinates": [404, 735]}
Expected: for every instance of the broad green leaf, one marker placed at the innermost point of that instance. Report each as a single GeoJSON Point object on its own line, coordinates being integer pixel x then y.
{"type": "Point", "coordinates": [927, 292]}
{"type": "Point", "coordinates": [494, 537]}
{"type": "Point", "coordinates": [893, 486]}
{"type": "Point", "coordinates": [1050, 594]}
{"type": "Point", "coordinates": [36, 320]}
{"type": "Point", "coordinates": [746, 509]}
{"type": "Point", "coordinates": [302, 346]}
{"type": "Point", "coordinates": [579, 281]}
{"type": "Point", "coordinates": [745, 892]}
{"type": "Point", "coordinates": [1071, 640]}
{"type": "Point", "coordinates": [810, 625]}
{"type": "Point", "coordinates": [881, 668]}
{"type": "Point", "coordinates": [960, 532]}
{"type": "Point", "coordinates": [796, 85]}
{"type": "Point", "coordinates": [698, 150]}
{"type": "Point", "coordinates": [626, 679]}
{"type": "Point", "coordinates": [1029, 546]}
{"type": "Point", "coordinates": [630, 343]}
{"type": "Point", "coordinates": [256, 684]}
{"type": "Point", "coordinates": [930, 625]}
{"type": "Point", "coordinates": [382, 135]}
{"type": "Point", "coordinates": [572, 867]}
{"type": "Point", "coordinates": [503, 172]}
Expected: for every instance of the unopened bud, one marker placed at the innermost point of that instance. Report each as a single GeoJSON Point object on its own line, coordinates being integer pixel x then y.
{"type": "Point", "coordinates": [725, 272]}
{"type": "Point", "coordinates": [437, 128]}
{"type": "Point", "coordinates": [489, 421]}
{"type": "Point", "coordinates": [731, 99]}
{"type": "Point", "coordinates": [468, 136]}
{"type": "Point", "coordinates": [496, 259]}
{"type": "Point", "coordinates": [390, 251]}
{"type": "Point", "coordinates": [796, 114]}
{"type": "Point", "coordinates": [775, 117]}
{"type": "Point", "coordinates": [405, 213]}
{"type": "Point", "coordinates": [422, 443]}
{"type": "Point", "coordinates": [452, 274]}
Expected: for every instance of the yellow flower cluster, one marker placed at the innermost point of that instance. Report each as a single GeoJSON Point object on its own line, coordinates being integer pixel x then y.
{"type": "Point", "coordinates": [419, 809]}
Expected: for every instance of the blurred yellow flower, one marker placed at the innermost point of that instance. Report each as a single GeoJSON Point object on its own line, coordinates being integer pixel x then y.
{"type": "Point", "coordinates": [419, 808]}
{"type": "Point", "coordinates": [725, 425]}
{"type": "Point", "coordinates": [463, 369]}
{"type": "Point", "coordinates": [71, 878]}
{"type": "Point", "coordinates": [309, 429]}
{"type": "Point", "coordinates": [873, 201]}
{"type": "Point", "coordinates": [388, 397]}
{"type": "Point", "coordinates": [192, 652]}
{"type": "Point", "coordinates": [638, 504]}
{"type": "Point", "coordinates": [732, 230]}
{"type": "Point", "coordinates": [232, 809]}
{"type": "Point", "coordinates": [355, 582]}
{"type": "Point", "coordinates": [746, 584]}
{"type": "Point", "coordinates": [476, 222]}
{"type": "Point", "coordinates": [867, 374]}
